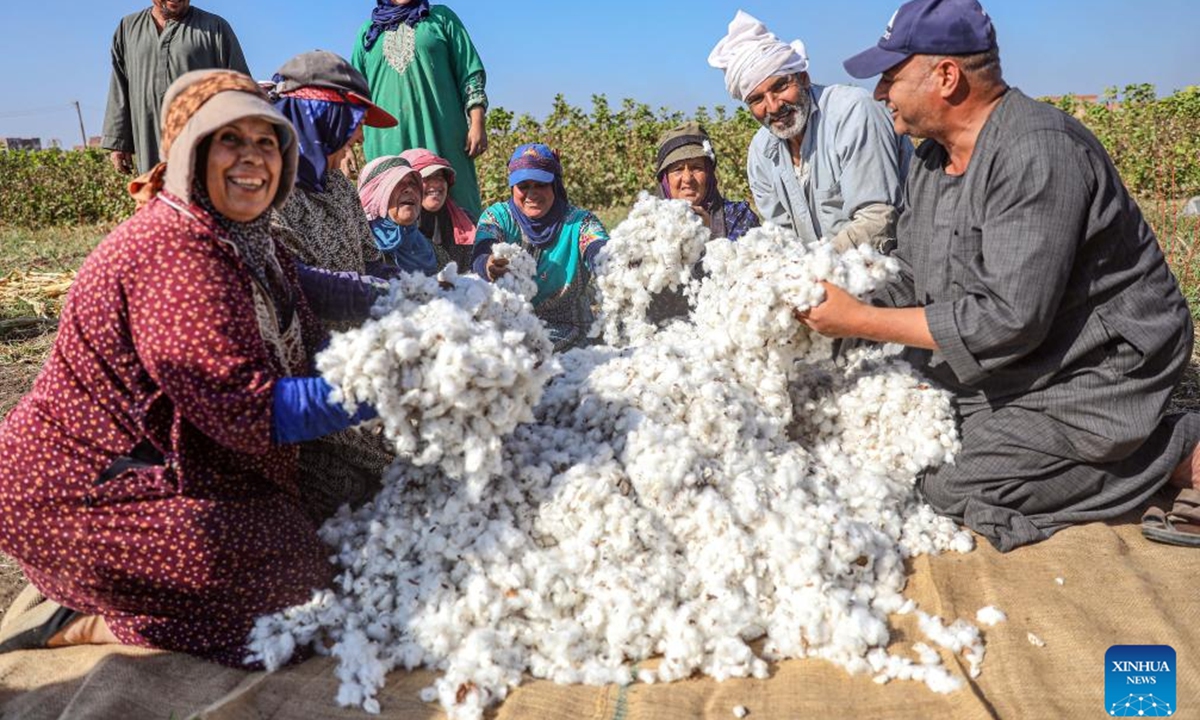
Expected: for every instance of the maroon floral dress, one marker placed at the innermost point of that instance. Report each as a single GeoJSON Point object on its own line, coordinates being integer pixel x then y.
{"type": "Point", "coordinates": [159, 342]}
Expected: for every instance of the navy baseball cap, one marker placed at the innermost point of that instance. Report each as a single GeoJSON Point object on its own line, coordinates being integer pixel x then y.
{"type": "Point", "coordinates": [927, 27]}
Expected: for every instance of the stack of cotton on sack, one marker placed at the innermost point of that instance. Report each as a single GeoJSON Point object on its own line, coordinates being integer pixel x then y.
{"type": "Point", "coordinates": [719, 481]}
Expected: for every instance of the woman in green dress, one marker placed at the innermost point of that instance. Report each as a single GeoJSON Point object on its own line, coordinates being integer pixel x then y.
{"type": "Point", "coordinates": [423, 68]}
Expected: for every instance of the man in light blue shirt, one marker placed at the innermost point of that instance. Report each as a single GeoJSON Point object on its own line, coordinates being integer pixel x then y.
{"type": "Point", "coordinates": [827, 163]}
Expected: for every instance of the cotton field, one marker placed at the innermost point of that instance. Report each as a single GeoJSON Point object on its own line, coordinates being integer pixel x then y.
{"type": "Point", "coordinates": [675, 493]}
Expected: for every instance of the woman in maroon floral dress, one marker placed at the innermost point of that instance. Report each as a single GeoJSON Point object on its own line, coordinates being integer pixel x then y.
{"type": "Point", "coordinates": [149, 478]}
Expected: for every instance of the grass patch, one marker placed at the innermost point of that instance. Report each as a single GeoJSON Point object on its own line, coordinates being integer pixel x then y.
{"type": "Point", "coordinates": [36, 268]}
{"type": "Point", "coordinates": [1179, 236]}
{"type": "Point", "coordinates": [59, 249]}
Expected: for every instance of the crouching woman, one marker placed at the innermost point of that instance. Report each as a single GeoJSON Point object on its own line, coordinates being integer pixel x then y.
{"type": "Point", "coordinates": [149, 483]}
{"type": "Point", "coordinates": [564, 240]}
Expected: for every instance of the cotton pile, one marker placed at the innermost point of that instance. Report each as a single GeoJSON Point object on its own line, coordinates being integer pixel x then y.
{"type": "Point", "coordinates": [452, 364]}
{"type": "Point", "coordinates": [722, 480]}
{"type": "Point", "coordinates": [651, 251]}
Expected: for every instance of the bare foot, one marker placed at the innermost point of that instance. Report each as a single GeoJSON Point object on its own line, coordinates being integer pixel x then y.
{"type": "Point", "coordinates": [1187, 473]}
{"type": "Point", "coordinates": [85, 630]}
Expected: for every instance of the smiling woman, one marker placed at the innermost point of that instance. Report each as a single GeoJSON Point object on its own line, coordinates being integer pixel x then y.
{"type": "Point", "coordinates": [390, 190]}
{"type": "Point", "coordinates": [151, 492]}
{"type": "Point", "coordinates": [242, 171]}
{"type": "Point", "coordinates": [564, 240]}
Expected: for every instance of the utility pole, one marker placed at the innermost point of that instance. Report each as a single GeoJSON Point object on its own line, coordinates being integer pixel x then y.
{"type": "Point", "coordinates": [82, 134]}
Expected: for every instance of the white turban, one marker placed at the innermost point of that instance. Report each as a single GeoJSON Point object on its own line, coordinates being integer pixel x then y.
{"type": "Point", "coordinates": [750, 54]}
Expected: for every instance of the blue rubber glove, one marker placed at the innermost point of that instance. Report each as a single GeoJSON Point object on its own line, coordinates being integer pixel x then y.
{"type": "Point", "coordinates": [302, 411]}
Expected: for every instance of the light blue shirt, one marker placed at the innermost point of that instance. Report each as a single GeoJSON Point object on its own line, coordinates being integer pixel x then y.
{"type": "Point", "coordinates": [854, 160]}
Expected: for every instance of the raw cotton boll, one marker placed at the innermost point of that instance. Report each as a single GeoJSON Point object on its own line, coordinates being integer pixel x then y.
{"type": "Point", "coordinates": [716, 482]}
{"type": "Point", "coordinates": [889, 420]}
{"type": "Point", "coordinates": [990, 616]}
{"type": "Point", "coordinates": [652, 250]}
{"type": "Point", "coordinates": [756, 284]}
{"type": "Point", "coordinates": [522, 270]}
{"type": "Point", "coordinates": [451, 365]}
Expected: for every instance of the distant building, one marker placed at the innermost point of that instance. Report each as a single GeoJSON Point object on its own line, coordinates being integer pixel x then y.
{"type": "Point", "coordinates": [20, 143]}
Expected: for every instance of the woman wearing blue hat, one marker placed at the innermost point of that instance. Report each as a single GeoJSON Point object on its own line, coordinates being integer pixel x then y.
{"type": "Point", "coordinates": [564, 240]}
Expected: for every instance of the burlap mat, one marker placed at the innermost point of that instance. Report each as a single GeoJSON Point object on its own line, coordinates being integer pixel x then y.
{"type": "Point", "coordinates": [1117, 589]}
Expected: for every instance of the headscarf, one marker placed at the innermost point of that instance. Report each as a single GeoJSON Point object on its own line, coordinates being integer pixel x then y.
{"type": "Point", "coordinates": [387, 16]}
{"type": "Point", "coordinates": [324, 123]}
{"type": "Point", "coordinates": [427, 163]}
{"type": "Point", "coordinates": [196, 105]}
{"type": "Point", "coordinates": [535, 161]}
{"type": "Point", "coordinates": [404, 245]}
{"type": "Point", "coordinates": [749, 54]}
{"type": "Point", "coordinates": [377, 180]}
{"type": "Point", "coordinates": [685, 142]}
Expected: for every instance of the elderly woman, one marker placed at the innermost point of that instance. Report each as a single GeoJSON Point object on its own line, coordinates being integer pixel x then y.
{"type": "Point", "coordinates": [564, 240]}
{"type": "Point", "coordinates": [149, 483]}
{"type": "Point", "coordinates": [686, 167]}
{"type": "Point", "coordinates": [447, 226]}
{"type": "Point", "coordinates": [390, 191]}
{"type": "Point", "coordinates": [323, 225]}
{"type": "Point", "coordinates": [328, 103]}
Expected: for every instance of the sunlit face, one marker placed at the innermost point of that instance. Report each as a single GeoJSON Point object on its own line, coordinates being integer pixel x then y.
{"type": "Point", "coordinates": [688, 179]}
{"type": "Point", "coordinates": [781, 104]}
{"type": "Point", "coordinates": [533, 198]}
{"type": "Point", "coordinates": [243, 168]}
{"type": "Point", "coordinates": [436, 188]}
{"type": "Point", "coordinates": [907, 91]}
{"type": "Point", "coordinates": [334, 159]}
{"type": "Point", "coordinates": [403, 2]}
{"type": "Point", "coordinates": [404, 206]}
{"type": "Point", "coordinates": [172, 9]}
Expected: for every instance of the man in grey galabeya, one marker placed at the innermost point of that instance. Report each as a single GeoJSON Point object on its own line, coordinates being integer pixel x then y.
{"type": "Point", "coordinates": [150, 49]}
{"type": "Point", "coordinates": [1033, 289]}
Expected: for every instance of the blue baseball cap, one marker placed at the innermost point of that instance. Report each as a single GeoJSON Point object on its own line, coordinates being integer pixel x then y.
{"type": "Point", "coordinates": [533, 161]}
{"type": "Point", "coordinates": [927, 27]}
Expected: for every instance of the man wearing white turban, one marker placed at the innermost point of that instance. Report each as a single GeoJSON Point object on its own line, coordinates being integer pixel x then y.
{"type": "Point", "coordinates": [826, 163]}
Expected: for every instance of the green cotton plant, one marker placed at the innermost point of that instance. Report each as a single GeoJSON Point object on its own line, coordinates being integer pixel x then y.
{"type": "Point", "coordinates": [608, 155]}
{"type": "Point", "coordinates": [1154, 142]}
{"type": "Point", "coordinates": [50, 188]}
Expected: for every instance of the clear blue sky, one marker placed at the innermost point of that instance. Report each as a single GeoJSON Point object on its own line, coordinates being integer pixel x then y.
{"type": "Point", "coordinates": [652, 51]}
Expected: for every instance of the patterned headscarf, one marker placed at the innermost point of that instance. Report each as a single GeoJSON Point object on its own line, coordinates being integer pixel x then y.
{"type": "Point", "coordinates": [387, 16]}
{"type": "Point", "coordinates": [427, 164]}
{"type": "Point", "coordinates": [196, 105]}
{"type": "Point", "coordinates": [378, 179]}
{"type": "Point", "coordinates": [537, 162]}
{"type": "Point", "coordinates": [324, 123]}
{"type": "Point", "coordinates": [688, 141]}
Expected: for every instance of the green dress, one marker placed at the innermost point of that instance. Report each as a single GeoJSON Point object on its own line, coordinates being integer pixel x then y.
{"type": "Point", "coordinates": [428, 77]}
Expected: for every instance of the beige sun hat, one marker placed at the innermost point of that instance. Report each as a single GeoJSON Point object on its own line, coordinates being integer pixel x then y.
{"type": "Point", "coordinates": [196, 105]}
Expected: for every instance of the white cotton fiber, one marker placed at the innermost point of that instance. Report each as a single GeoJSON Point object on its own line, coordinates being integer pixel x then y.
{"type": "Point", "coordinates": [990, 616]}
{"type": "Point", "coordinates": [715, 482]}
{"type": "Point", "coordinates": [452, 364]}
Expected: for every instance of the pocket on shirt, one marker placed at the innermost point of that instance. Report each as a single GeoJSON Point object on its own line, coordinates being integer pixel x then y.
{"type": "Point", "coordinates": [966, 247]}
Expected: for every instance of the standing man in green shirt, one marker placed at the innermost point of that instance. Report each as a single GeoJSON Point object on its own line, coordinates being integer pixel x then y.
{"type": "Point", "coordinates": [150, 49]}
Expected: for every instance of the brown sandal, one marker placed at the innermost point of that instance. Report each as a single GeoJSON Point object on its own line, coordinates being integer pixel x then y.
{"type": "Point", "coordinates": [1180, 526]}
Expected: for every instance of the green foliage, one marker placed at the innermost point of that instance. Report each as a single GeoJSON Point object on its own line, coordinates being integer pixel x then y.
{"type": "Point", "coordinates": [55, 188]}
{"type": "Point", "coordinates": [1154, 142]}
{"type": "Point", "coordinates": [608, 155]}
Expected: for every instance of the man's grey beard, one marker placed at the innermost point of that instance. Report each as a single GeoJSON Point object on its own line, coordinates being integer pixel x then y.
{"type": "Point", "coordinates": [799, 118]}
